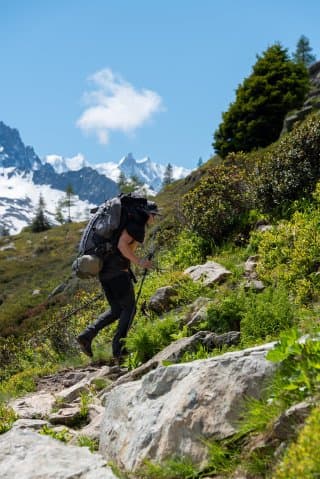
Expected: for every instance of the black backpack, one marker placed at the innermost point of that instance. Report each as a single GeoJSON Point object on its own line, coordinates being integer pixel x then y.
{"type": "Point", "coordinates": [101, 235]}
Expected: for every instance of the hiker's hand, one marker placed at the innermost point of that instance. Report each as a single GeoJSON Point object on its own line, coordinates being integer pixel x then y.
{"type": "Point", "coordinates": [145, 263]}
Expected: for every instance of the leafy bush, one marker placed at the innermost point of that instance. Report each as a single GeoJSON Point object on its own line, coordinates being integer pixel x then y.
{"type": "Point", "coordinates": [226, 313]}
{"type": "Point", "coordinates": [289, 169]}
{"type": "Point", "coordinates": [300, 365]}
{"type": "Point", "coordinates": [290, 254]}
{"type": "Point", "coordinates": [266, 314]}
{"type": "Point", "coordinates": [219, 202]}
{"type": "Point", "coordinates": [63, 435]}
{"type": "Point", "coordinates": [302, 458]}
{"type": "Point", "coordinates": [148, 337]}
{"type": "Point", "coordinates": [7, 418]}
{"type": "Point", "coordinates": [188, 249]}
{"type": "Point", "coordinates": [175, 468]}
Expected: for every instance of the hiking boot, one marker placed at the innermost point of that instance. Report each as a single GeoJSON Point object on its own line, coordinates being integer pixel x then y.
{"type": "Point", "coordinates": [85, 345]}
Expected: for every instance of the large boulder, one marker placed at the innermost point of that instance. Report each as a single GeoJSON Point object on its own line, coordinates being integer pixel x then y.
{"type": "Point", "coordinates": [162, 300]}
{"type": "Point", "coordinates": [172, 409]}
{"type": "Point", "coordinates": [174, 352]}
{"type": "Point", "coordinates": [28, 455]}
{"type": "Point", "coordinates": [208, 273]}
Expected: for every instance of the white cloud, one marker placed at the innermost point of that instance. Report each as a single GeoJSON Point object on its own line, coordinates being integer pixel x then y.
{"type": "Point", "coordinates": [114, 104]}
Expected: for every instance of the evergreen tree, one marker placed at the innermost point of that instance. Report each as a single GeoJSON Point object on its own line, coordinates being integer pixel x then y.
{"type": "Point", "coordinates": [168, 175]}
{"type": "Point", "coordinates": [58, 213]}
{"type": "Point", "coordinates": [200, 162]}
{"type": "Point", "coordinates": [68, 201]}
{"type": "Point", "coordinates": [128, 186]}
{"type": "Point", "coordinates": [276, 86]}
{"type": "Point", "coordinates": [4, 230]}
{"type": "Point", "coordinates": [303, 52]}
{"type": "Point", "coordinates": [40, 221]}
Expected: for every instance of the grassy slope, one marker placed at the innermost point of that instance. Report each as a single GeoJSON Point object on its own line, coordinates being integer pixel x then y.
{"type": "Point", "coordinates": [37, 261]}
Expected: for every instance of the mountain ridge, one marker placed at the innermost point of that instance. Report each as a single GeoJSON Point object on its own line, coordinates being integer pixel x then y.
{"type": "Point", "coordinates": [24, 176]}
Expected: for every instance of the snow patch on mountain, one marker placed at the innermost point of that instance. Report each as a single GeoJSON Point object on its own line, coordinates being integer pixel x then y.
{"type": "Point", "coordinates": [19, 198]}
{"type": "Point", "coordinates": [149, 173]}
{"type": "Point", "coordinates": [62, 164]}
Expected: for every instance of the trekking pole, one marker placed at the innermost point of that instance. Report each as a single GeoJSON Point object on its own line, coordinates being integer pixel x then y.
{"type": "Point", "coordinates": [149, 257]}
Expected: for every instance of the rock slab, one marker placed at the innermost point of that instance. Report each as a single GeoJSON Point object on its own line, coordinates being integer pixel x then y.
{"type": "Point", "coordinates": [28, 455]}
{"type": "Point", "coordinates": [171, 409]}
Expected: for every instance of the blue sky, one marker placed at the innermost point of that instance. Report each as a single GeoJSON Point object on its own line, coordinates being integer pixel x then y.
{"type": "Point", "coordinates": [108, 77]}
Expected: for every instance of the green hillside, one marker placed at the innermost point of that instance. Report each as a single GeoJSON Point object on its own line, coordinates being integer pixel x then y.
{"type": "Point", "coordinates": [216, 213]}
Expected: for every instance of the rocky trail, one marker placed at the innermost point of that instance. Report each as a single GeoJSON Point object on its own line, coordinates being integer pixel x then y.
{"type": "Point", "coordinates": [162, 409]}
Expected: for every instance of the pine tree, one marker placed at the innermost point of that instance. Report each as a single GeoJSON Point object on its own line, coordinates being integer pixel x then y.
{"type": "Point", "coordinates": [4, 230]}
{"type": "Point", "coordinates": [58, 213]}
{"type": "Point", "coordinates": [68, 201]}
{"type": "Point", "coordinates": [200, 162]}
{"type": "Point", "coordinates": [303, 52]}
{"type": "Point", "coordinates": [40, 221]}
{"type": "Point", "coordinates": [168, 175]}
{"type": "Point", "coordinates": [276, 86]}
{"type": "Point", "coordinates": [128, 186]}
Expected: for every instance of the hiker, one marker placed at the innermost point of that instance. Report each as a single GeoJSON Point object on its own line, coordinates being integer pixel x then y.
{"type": "Point", "coordinates": [117, 278]}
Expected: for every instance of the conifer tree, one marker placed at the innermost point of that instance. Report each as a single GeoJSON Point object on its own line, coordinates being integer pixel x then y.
{"type": "Point", "coordinates": [275, 86]}
{"type": "Point", "coordinates": [68, 201]}
{"type": "Point", "coordinates": [200, 162]}
{"type": "Point", "coordinates": [168, 175]}
{"type": "Point", "coordinates": [58, 213]}
{"type": "Point", "coordinates": [303, 52]}
{"type": "Point", "coordinates": [40, 221]}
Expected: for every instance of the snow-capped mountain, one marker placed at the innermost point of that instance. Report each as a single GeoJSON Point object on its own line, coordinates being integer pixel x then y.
{"type": "Point", "coordinates": [20, 197]}
{"type": "Point", "coordinates": [23, 177]}
{"type": "Point", "coordinates": [149, 173]}
{"type": "Point", "coordinates": [62, 165]}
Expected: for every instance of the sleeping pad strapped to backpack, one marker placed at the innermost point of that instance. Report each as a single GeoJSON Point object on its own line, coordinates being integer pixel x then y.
{"type": "Point", "coordinates": [102, 232]}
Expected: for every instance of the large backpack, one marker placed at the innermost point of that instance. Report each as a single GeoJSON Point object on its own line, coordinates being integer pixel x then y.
{"type": "Point", "coordinates": [101, 235]}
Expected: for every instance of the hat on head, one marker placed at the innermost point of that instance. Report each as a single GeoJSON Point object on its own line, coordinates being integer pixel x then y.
{"type": "Point", "coordinates": [152, 208]}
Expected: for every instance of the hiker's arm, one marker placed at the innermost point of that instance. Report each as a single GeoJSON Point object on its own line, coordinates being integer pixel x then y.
{"type": "Point", "coordinates": [126, 246]}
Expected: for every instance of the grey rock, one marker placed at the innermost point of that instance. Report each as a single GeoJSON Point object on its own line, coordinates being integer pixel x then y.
{"type": "Point", "coordinates": [286, 425]}
{"type": "Point", "coordinates": [212, 340]}
{"type": "Point", "coordinates": [66, 416]}
{"type": "Point", "coordinates": [161, 301]}
{"type": "Point", "coordinates": [71, 393]}
{"type": "Point", "coordinates": [36, 405]}
{"type": "Point", "coordinates": [32, 424]}
{"type": "Point", "coordinates": [28, 455]}
{"type": "Point", "coordinates": [208, 273]}
{"type": "Point", "coordinates": [264, 228]}
{"type": "Point", "coordinates": [254, 284]}
{"type": "Point", "coordinates": [171, 408]}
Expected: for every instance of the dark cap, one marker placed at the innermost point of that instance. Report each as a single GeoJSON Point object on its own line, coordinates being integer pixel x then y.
{"type": "Point", "coordinates": [152, 208]}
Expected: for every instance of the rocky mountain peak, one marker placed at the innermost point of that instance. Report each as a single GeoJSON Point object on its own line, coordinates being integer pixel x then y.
{"type": "Point", "coordinates": [13, 152]}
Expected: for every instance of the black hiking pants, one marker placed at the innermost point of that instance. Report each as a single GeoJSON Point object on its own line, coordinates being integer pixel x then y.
{"type": "Point", "coordinates": [119, 292]}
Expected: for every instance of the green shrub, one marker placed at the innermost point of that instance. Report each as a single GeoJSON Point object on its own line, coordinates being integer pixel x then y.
{"type": "Point", "coordinates": [290, 254]}
{"type": "Point", "coordinates": [175, 468]}
{"type": "Point", "coordinates": [302, 460]}
{"type": "Point", "coordinates": [219, 202]}
{"type": "Point", "coordinates": [63, 435]}
{"type": "Point", "coordinates": [187, 250]}
{"type": "Point", "coordinates": [266, 314]}
{"type": "Point", "coordinates": [299, 359]}
{"type": "Point", "coordinates": [85, 441]}
{"type": "Point", "coordinates": [7, 418]}
{"type": "Point", "coordinates": [226, 312]}
{"type": "Point", "coordinates": [148, 337]}
{"type": "Point", "coordinates": [289, 169]}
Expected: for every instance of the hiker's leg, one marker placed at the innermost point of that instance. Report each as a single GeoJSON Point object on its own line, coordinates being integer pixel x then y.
{"type": "Point", "coordinates": [105, 318]}
{"type": "Point", "coordinates": [127, 303]}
